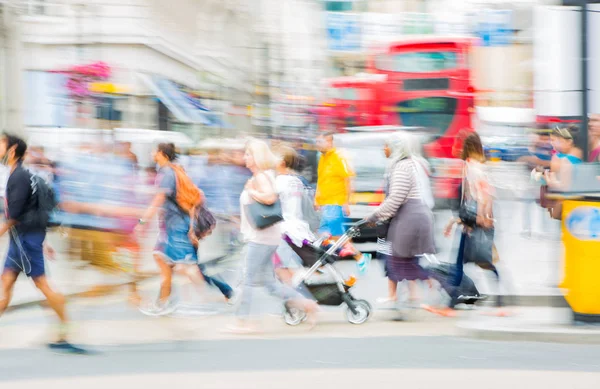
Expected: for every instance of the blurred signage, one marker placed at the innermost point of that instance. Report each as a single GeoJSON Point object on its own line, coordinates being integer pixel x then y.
{"type": "Point", "coordinates": [418, 24]}
{"type": "Point", "coordinates": [584, 223]}
{"type": "Point", "coordinates": [494, 27]}
{"type": "Point", "coordinates": [260, 113]}
{"type": "Point", "coordinates": [379, 27]}
{"type": "Point", "coordinates": [343, 31]}
{"type": "Point", "coordinates": [107, 87]}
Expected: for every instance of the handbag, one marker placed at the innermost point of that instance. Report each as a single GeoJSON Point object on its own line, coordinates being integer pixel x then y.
{"type": "Point", "coordinates": [262, 216]}
{"type": "Point", "coordinates": [381, 228]}
{"type": "Point", "coordinates": [479, 247]}
{"type": "Point", "coordinates": [204, 222]}
{"type": "Point", "coordinates": [467, 212]}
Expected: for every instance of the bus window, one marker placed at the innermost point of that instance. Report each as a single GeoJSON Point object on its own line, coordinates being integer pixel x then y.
{"type": "Point", "coordinates": [353, 94]}
{"type": "Point", "coordinates": [418, 62]}
{"type": "Point", "coordinates": [434, 113]}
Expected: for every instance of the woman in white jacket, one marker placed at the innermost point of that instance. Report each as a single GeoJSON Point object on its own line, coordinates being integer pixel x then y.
{"type": "Point", "coordinates": [291, 191]}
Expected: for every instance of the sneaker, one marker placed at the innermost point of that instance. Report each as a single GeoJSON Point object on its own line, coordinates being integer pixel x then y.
{"type": "Point", "coordinates": [363, 264]}
{"type": "Point", "coordinates": [386, 300]}
{"type": "Point", "coordinates": [233, 298]}
{"type": "Point", "coordinates": [159, 309]}
{"type": "Point", "coordinates": [62, 346]}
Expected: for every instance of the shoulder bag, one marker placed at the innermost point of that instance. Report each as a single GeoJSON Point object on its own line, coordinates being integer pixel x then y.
{"type": "Point", "coordinates": [467, 212]}
{"type": "Point", "coordinates": [262, 216]}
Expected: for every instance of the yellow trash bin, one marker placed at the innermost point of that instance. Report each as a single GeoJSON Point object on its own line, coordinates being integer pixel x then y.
{"type": "Point", "coordinates": [581, 239]}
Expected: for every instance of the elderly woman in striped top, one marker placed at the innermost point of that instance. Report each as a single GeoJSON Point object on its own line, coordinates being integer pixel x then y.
{"type": "Point", "coordinates": [410, 232]}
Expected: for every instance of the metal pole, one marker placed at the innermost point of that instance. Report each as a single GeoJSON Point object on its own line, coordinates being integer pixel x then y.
{"type": "Point", "coordinates": [583, 136]}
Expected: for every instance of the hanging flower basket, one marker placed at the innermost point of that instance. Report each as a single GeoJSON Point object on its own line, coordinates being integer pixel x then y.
{"type": "Point", "coordinates": [80, 76]}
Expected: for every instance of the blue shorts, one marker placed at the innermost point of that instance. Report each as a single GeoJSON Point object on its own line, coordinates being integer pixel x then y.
{"type": "Point", "coordinates": [332, 220]}
{"type": "Point", "coordinates": [26, 254]}
{"type": "Point", "coordinates": [174, 245]}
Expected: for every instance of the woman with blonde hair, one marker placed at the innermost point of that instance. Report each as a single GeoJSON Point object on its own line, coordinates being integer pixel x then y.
{"type": "Point", "coordinates": [262, 242]}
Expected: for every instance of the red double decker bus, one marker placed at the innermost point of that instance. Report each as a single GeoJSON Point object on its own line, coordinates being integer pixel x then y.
{"type": "Point", "coordinates": [354, 101]}
{"type": "Point", "coordinates": [428, 85]}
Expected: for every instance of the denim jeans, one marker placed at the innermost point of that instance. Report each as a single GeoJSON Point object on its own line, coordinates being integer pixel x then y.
{"type": "Point", "coordinates": [459, 273]}
{"type": "Point", "coordinates": [217, 283]}
{"type": "Point", "coordinates": [259, 271]}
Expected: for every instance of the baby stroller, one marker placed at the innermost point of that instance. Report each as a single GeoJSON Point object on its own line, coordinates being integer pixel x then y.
{"type": "Point", "coordinates": [336, 290]}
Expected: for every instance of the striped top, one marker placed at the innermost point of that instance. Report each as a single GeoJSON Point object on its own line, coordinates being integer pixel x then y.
{"type": "Point", "coordinates": [402, 186]}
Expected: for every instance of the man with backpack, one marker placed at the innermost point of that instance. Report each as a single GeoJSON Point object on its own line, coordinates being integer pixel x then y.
{"type": "Point", "coordinates": [28, 204]}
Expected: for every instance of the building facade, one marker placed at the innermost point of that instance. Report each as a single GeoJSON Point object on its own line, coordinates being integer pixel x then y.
{"type": "Point", "coordinates": [196, 46]}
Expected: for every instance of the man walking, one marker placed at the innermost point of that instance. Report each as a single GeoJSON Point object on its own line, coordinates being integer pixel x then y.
{"type": "Point", "coordinates": [26, 247]}
{"type": "Point", "coordinates": [333, 187]}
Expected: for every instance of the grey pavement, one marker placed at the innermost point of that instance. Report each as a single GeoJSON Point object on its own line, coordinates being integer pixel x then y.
{"type": "Point", "coordinates": [417, 362]}
{"type": "Point", "coordinates": [192, 348]}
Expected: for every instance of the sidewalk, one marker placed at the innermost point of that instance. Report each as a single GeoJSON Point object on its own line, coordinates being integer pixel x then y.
{"type": "Point", "coordinates": [540, 324]}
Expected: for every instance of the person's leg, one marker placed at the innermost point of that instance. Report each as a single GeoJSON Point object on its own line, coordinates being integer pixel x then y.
{"type": "Point", "coordinates": [491, 267]}
{"type": "Point", "coordinates": [55, 299]}
{"type": "Point", "coordinates": [223, 287]}
{"type": "Point", "coordinates": [393, 290]}
{"type": "Point", "coordinates": [285, 260]}
{"type": "Point", "coordinates": [412, 291]}
{"type": "Point", "coordinates": [9, 277]}
{"type": "Point", "coordinates": [166, 278]}
{"type": "Point", "coordinates": [453, 288]}
{"type": "Point", "coordinates": [284, 275]}
{"type": "Point", "coordinates": [292, 297]}
{"type": "Point", "coordinates": [250, 280]}
{"type": "Point", "coordinates": [459, 270]}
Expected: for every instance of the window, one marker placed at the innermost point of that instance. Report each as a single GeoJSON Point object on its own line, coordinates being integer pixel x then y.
{"type": "Point", "coordinates": [105, 110]}
{"type": "Point", "coordinates": [433, 113]}
{"type": "Point", "coordinates": [368, 163]}
{"type": "Point", "coordinates": [423, 62]}
{"type": "Point", "coordinates": [353, 94]}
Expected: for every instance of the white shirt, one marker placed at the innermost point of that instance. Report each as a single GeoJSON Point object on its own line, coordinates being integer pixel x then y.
{"type": "Point", "coordinates": [290, 190]}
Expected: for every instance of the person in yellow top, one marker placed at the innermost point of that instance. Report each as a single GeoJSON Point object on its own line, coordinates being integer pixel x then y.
{"type": "Point", "coordinates": [333, 187]}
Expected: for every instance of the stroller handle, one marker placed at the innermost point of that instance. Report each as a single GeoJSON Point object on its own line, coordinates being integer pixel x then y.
{"type": "Point", "coordinates": [359, 224]}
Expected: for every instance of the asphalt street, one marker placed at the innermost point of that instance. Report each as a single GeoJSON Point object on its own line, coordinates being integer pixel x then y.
{"type": "Point", "coordinates": [428, 354]}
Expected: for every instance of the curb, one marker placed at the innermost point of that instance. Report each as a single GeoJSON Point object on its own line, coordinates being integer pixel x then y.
{"type": "Point", "coordinates": [550, 301]}
{"type": "Point", "coordinates": [557, 334]}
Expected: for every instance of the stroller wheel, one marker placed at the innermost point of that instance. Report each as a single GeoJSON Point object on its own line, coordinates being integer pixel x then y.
{"type": "Point", "coordinates": [293, 316]}
{"type": "Point", "coordinates": [363, 312]}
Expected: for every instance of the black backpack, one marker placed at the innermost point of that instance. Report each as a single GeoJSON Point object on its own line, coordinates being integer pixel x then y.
{"type": "Point", "coordinates": [41, 206]}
